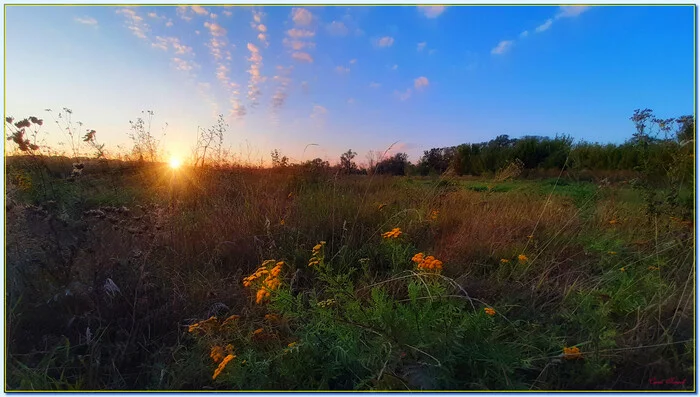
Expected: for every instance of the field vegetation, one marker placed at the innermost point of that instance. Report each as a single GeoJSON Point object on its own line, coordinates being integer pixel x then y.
{"type": "Point", "coordinates": [514, 264]}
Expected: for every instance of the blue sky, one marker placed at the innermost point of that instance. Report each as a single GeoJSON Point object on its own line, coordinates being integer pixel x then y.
{"type": "Point", "coordinates": [351, 77]}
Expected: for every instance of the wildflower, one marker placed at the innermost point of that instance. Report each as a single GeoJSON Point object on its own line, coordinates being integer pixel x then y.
{"type": "Point", "coordinates": [572, 353]}
{"type": "Point", "coordinates": [505, 260]}
{"type": "Point", "coordinates": [292, 344]}
{"type": "Point", "coordinates": [326, 303]}
{"type": "Point", "coordinates": [489, 311]}
{"type": "Point", "coordinates": [229, 349]}
{"type": "Point", "coordinates": [612, 253]}
{"type": "Point", "coordinates": [434, 214]}
{"type": "Point", "coordinates": [381, 206]}
{"type": "Point", "coordinates": [258, 331]}
{"type": "Point", "coordinates": [427, 263]}
{"type": "Point", "coordinates": [394, 233]}
{"type": "Point", "coordinates": [271, 317]}
{"type": "Point", "coordinates": [653, 268]}
{"type": "Point", "coordinates": [230, 319]}
{"type": "Point", "coordinates": [282, 222]}
{"type": "Point", "coordinates": [216, 353]}
{"type": "Point", "coordinates": [313, 262]}
{"type": "Point", "coordinates": [622, 269]}
{"type": "Point", "coordinates": [613, 221]}
{"type": "Point", "coordinates": [531, 236]}
{"type": "Point", "coordinates": [221, 367]}
{"type": "Point", "coordinates": [204, 324]}
{"type": "Point", "coordinates": [522, 258]}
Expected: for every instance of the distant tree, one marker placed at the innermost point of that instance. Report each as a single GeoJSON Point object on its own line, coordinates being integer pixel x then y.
{"type": "Point", "coordinates": [346, 164]}
{"type": "Point", "coordinates": [395, 165]}
{"type": "Point", "coordinates": [278, 160]}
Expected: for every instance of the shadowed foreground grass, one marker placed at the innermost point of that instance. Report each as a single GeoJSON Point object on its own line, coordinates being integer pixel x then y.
{"type": "Point", "coordinates": [148, 278]}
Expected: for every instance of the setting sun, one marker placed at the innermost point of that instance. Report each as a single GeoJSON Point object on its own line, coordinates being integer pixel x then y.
{"type": "Point", "coordinates": [175, 163]}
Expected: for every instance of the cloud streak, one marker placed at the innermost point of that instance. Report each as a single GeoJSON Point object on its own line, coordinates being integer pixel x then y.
{"type": "Point", "coordinates": [86, 21]}
{"type": "Point", "coordinates": [431, 11]}
{"type": "Point", "coordinates": [503, 47]}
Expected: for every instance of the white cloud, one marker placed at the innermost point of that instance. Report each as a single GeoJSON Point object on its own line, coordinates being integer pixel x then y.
{"type": "Point", "coordinates": [184, 65]}
{"type": "Point", "coordinates": [386, 41]}
{"type": "Point", "coordinates": [300, 33]}
{"type": "Point", "coordinates": [302, 56]}
{"type": "Point", "coordinates": [431, 11]}
{"type": "Point", "coordinates": [337, 28]}
{"type": "Point", "coordinates": [200, 10]}
{"type": "Point", "coordinates": [215, 28]}
{"type": "Point", "coordinates": [301, 16]}
{"type": "Point", "coordinates": [227, 13]}
{"type": "Point", "coordinates": [546, 25]}
{"type": "Point", "coordinates": [353, 61]}
{"type": "Point", "coordinates": [342, 69]}
{"type": "Point", "coordinates": [169, 23]}
{"type": "Point", "coordinates": [262, 28]}
{"type": "Point", "coordinates": [524, 34]}
{"type": "Point", "coordinates": [182, 12]}
{"type": "Point", "coordinates": [86, 21]}
{"type": "Point", "coordinates": [421, 46]}
{"type": "Point", "coordinates": [503, 47]}
{"type": "Point", "coordinates": [395, 67]}
{"type": "Point", "coordinates": [571, 11]}
{"type": "Point", "coordinates": [421, 83]}
{"type": "Point", "coordinates": [134, 22]}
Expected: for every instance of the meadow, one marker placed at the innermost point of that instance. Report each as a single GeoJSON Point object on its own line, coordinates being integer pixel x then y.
{"type": "Point", "coordinates": [135, 275]}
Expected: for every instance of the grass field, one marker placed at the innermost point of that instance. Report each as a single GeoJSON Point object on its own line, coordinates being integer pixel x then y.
{"type": "Point", "coordinates": [153, 278]}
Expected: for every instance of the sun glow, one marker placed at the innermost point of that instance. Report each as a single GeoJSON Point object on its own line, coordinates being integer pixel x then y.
{"type": "Point", "coordinates": [175, 163]}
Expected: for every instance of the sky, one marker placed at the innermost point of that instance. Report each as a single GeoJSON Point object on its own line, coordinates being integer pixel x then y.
{"type": "Point", "coordinates": [349, 77]}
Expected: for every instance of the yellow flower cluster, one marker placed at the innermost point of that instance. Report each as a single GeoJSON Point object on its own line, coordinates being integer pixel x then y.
{"type": "Point", "coordinates": [326, 303]}
{"type": "Point", "coordinates": [230, 319]}
{"type": "Point", "coordinates": [271, 281]}
{"type": "Point", "coordinates": [489, 311]}
{"type": "Point", "coordinates": [572, 353]}
{"type": "Point", "coordinates": [222, 356]}
{"type": "Point", "coordinates": [394, 233]}
{"type": "Point", "coordinates": [427, 262]}
{"type": "Point", "coordinates": [317, 254]}
{"type": "Point", "coordinates": [522, 258]}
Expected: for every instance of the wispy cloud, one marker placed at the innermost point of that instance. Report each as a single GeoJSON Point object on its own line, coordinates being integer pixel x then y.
{"type": "Point", "coordinates": [571, 11]}
{"type": "Point", "coordinates": [420, 83]}
{"type": "Point", "coordinates": [173, 42]}
{"type": "Point", "coordinates": [318, 111]}
{"type": "Point", "coordinates": [403, 95]}
{"type": "Point", "coordinates": [546, 25]}
{"type": "Point", "coordinates": [183, 12]}
{"type": "Point", "coordinates": [337, 28]}
{"type": "Point", "coordinates": [503, 47]}
{"type": "Point", "coordinates": [431, 11]}
{"type": "Point", "coordinates": [227, 13]}
{"type": "Point", "coordinates": [421, 46]}
{"type": "Point", "coordinates": [301, 16]}
{"type": "Point", "coordinates": [282, 79]}
{"type": "Point", "coordinates": [215, 28]}
{"type": "Point", "coordinates": [300, 33]}
{"type": "Point", "coordinates": [386, 41]}
{"type": "Point", "coordinates": [134, 22]}
{"type": "Point", "coordinates": [524, 34]}
{"type": "Point", "coordinates": [255, 76]}
{"type": "Point", "coordinates": [199, 10]}
{"type": "Point", "coordinates": [302, 56]}
{"type": "Point", "coordinates": [86, 21]}
{"type": "Point", "coordinates": [185, 65]}
{"type": "Point", "coordinates": [342, 69]}
{"type": "Point", "coordinates": [258, 26]}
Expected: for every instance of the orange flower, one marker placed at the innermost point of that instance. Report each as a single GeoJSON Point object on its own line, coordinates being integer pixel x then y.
{"type": "Point", "coordinates": [504, 261]}
{"type": "Point", "coordinates": [612, 252]}
{"type": "Point", "coordinates": [418, 258]}
{"type": "Point", "coordinates": [217, 353]}
{"type": "Point", "coordinates": [522, 258]}
{"type": "Point", "coordinates": [394, 233]}
{"type": "Point", "coordinates": [381, 206]}
{"type": "Point", "coordinates": [258, 331]}
{"type": "Point", "coordinates": [489, 311]}
{"type": "Point", "coordinates": [613, 221]}
{"type": "Point", "coordinates": [572, 353]}
{"type": "Point", "coordinates": [221, 367]}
